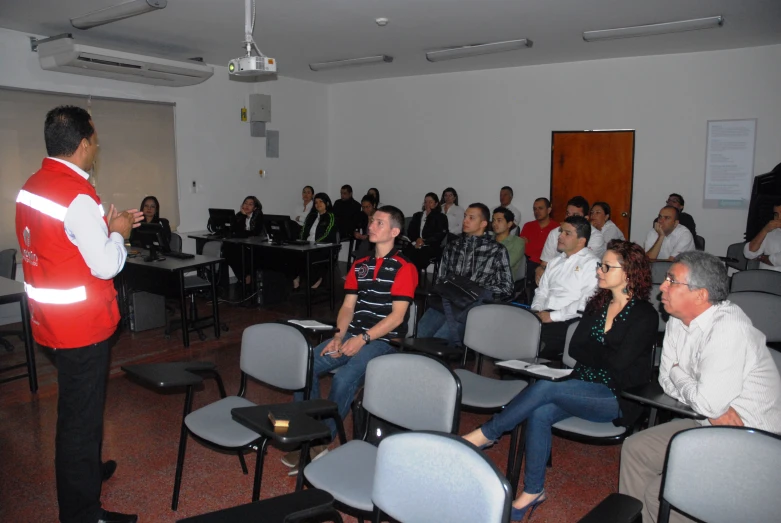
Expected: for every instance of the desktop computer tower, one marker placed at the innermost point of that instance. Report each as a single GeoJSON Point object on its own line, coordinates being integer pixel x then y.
{"type": "Point", "coordinates": [147, 311]}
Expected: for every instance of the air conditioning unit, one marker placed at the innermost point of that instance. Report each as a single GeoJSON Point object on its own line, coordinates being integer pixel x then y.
{"type": "Point", "coordinates": [66, 56]}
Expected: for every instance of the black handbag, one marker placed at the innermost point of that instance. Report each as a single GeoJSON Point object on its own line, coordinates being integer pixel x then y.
{"type": "Point", "coordinates": [460, 291]}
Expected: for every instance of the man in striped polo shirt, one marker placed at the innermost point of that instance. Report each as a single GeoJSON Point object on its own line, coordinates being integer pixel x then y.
{"type": "Point", "coordinates": [378, 291]}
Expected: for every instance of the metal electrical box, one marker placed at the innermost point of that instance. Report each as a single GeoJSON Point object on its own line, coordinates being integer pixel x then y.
{"type": "Point", "coordinates": [259, 108]}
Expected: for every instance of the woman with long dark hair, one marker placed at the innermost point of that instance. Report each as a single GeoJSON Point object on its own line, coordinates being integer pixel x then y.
{"type": "Point", "coordinates": [319, 226]}
{"type": "Point", "coordinates": [150, 207]}
{"type": "Point", "coordinates": [375, 193]}
{"type": "Point", "coordinates": [451, 210]}
{"type": "Point", "coordinates": [247, 222]}
{"type": "Point", "coordinates": [612, 344]}
{"type": "Point", "coordinates": [426, 231]}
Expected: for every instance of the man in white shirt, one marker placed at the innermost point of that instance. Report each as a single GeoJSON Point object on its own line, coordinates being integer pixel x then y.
{"type": "Point", "coordinates": [668, 238]}
{"type": "Point", "coordinates": [568, 282]}
{"type": "Point", "coordinates": [766, 245]}
{"type": "Point", "coordinates": [576, 206]}
{"type": "Point", "coordinates": [714, 361]}
{"type": "Point", "coordinates": [505, 200]}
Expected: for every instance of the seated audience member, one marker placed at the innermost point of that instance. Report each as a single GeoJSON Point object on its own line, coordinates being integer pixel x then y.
{"type": "Point", "coordinates": [362, 244]}
{"type": "Point", "coordinates": [668, 238]}
{"type": "Point", "coordinates": [568, 282]}
{"type": "Point", "coordinates": [378, 291]}
{"type": "Point", "coordinates": [600, 219]}
{"type": "Point", "coordinates": [576, 206]}
{"type": "Point", "coordinates": [347, 212]}
{"type": "Point", "coordinates": [320, 226]}
{"type": "Point", "coordinates": [302, 210]}
{"type": "Point", "coordinates": [247, 222]}
{"type": "Point", "coordinates": [536, 233]}
{"type": "Point", "coordinates": [612, 345]}
{"type": "Point", "coordinates": [676, 200]}
{"type": "Point", "coordinates": [375, 193]}
{"type": "Point", "coordinates": [454, 213]}
{"type": "Point", "coordinates": [426, 231]}
{"type": "Point", "coordinates": [502, 224]}
{"type": "Point", "coordinates": [714, 361]}
{"type": "Point", "coordinates": [475, 255]}
{"type": "Point", "coordinates": [505, 200]}
{"type": "Point", "coordinates": [766, 245]}
{"type": "Point", "coordinates": [151, 209]}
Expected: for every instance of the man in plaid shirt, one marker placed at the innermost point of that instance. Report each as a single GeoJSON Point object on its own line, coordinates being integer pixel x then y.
{"type": "Point", "coordinates": [476, 255]}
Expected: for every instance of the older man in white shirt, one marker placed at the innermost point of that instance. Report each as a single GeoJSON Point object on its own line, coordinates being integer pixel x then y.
{"type": "Point", "coordinates": [714, 361]}
{"type": "Point", "coordinates": [766, 245]}
{"type": "Point", "coordinates": [668, 238]}
{"type": "Point", "coordinates": [568, 282]}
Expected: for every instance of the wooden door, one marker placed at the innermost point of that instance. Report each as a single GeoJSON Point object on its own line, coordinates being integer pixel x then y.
{"type": "Point", "coordinates": [598, 165]}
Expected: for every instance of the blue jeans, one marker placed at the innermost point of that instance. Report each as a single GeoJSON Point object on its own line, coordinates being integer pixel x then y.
{"type": "Point", "coordinates": [433, 324]}
{"type": "Point", "coordinates": [349, 378]}
{"type": "Point", "coordinates": [544, 404]}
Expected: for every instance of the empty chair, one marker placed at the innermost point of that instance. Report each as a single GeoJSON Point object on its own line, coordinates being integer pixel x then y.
{"type": "Point", "coordinates": [762, 309]}
{"type": "Point", "coordinates": [722, 475]}
{"type": "Point", "coordinates": [759, 280]}
{"type": "Point", "coordinates": [175, 243]}
{"type": "Point", "coordinates": [740, 263]}
{"type": "Point", "coordinates": [458, 484]}
{"type": "Point", "coordinates": [699, 243]}
{"type": "Point", "coordinates": [410, 391]}
{"type": "Point", "coordinates": [8, 270]}
{"type": "Point", "coordinates": [659, 271]}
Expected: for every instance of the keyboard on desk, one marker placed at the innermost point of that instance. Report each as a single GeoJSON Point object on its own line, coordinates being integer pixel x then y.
{"type": "Point", "coordinates": [296, 242]}
{"type": "Point", "coordinates": [179, 255]}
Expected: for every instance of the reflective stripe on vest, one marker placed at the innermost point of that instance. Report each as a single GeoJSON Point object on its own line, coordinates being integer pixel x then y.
{"type": "Point", "coordinates": [56, 296]}
{"type": "Point", "coordinates": [41, 204]}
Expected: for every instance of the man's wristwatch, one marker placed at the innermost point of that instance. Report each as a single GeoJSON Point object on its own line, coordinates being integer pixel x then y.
{"type": "Point", "coordinates": [366, 338]}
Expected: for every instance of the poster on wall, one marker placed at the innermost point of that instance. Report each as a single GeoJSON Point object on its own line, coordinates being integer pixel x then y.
{"type": "Point", "coordinates": [729, 163]}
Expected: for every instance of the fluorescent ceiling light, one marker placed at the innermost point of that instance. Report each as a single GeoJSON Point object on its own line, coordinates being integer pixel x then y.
{"type": "Point", "coordinates": [366, 60]}
{"type": "Point", "coordinates": [654, 29]}
{"type": "Point", "coordinates": [478, 49]}
{"type": "Point", "coordinates": [117, 12]}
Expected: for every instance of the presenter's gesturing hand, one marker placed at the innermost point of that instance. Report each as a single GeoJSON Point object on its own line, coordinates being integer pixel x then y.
{"type": "Point", "coordinates": [124, 222]}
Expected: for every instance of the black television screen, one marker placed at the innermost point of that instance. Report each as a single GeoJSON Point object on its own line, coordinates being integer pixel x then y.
{"type": "Point", "coordinates": [220, 220]}
{"type": "Point", "coordinates": [150, 236]}
{"type": "Point", "coordinates": [278, 227]}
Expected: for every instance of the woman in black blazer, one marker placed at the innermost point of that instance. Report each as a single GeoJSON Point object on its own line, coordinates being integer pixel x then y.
{"type": "Point", "coordinates": [426, 242]}
{"type": "Point", "coordinates": [320, 227]}
{"type": "Point", "coordinates": [151, 209]}
{"type": "Point", "coordinates": [247, 222]}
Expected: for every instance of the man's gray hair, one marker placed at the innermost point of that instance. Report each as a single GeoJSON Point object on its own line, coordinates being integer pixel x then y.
{"type": "Point", "coordinates": [707, 272]}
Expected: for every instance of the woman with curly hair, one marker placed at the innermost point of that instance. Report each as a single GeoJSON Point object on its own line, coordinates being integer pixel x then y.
{"type": "Point", "coordinates": [612, 344]}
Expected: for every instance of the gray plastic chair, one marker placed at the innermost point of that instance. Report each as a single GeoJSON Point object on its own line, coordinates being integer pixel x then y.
{"type": "Point", "coordinates": [735, 252]}
{"type": "Point", "coordinates": [8, 270]}
{"type": "Point", "coordinates": [502, 332]}
{"type": "Point", "coordinates": [759, 280]}
{"type": "Point", "coordinates": [659, 271]}
{"type": "Point", "coordinates": [722, 475]}
{"type": "Point", "coordinates": [175, 243]}
{"type": "Point", "coordinates": [411, 391]}
{"type": "Point", "coordinates": [422, 477]}
{"type": "Point", "coordinates": [276, 354]}
{"type": "Point", "coordinates": [762, 309]}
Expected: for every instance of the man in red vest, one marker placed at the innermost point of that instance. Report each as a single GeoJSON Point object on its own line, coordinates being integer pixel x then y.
{"type": "Point", "coordinates": [70, 254]}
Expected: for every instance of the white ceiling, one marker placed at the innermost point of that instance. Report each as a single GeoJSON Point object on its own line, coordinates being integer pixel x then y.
{"type": "Point", "coordinates": [297, 32]}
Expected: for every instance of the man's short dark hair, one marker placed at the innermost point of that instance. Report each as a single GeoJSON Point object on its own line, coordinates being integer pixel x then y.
{"type": "Point", "coordinates": [582, 226]}
{"type": "Point", "coordinates": [543, 199]}
{"type": "Point", "coordinates": [509, 216]}
{"type": "Point", "coordinates": [396, 216]}
{"type": "Point", "coordinates": [604, 206]}
{"type": "Point", "coordinates": [579, 202]}
{"type": "Point", "coordinates": [507, 187]}
{"type": "Point", "coordinates": [679, 197]}
{"type": "Point", "coordinates": [675, 210]}
{"type": "Point", "coordinates": [65, 127]}
{"type": "Point", "coordinates": [483, 209]}
{"type": "Point", "coordinates": [348, 187]}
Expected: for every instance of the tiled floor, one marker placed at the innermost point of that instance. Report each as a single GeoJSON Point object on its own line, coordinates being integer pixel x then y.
{"type": "Point", "coordinates": [142, 433]}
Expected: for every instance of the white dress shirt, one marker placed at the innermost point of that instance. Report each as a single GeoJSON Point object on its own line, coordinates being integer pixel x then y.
{"type": "Point", "coordinates": [455, 219]}
{"type": "Point", "coordinates": [566, 285]}
{"type": "Point", "coordinates": [678, 241]}
{"type": "Point", "coordinates": [298, 215]}
{"type": "Point", "coordinates": [104, 254]}
{"type": "Point", "coordinates": [610, 231]}
{"type": "Point", "coordinates": [771, 246]}
{"type": "Point", "coordinates": [313, 231]}
{"type": "Point", "coordinates": [722, 362]}
{"type": "Point", "coordinates": [596, 244]}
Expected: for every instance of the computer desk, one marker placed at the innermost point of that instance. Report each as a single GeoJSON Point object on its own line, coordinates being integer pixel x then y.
{"type": "Point", "coordinates": [304, 252]}
{"type": "Point", "coordinates": [13, 291]}
{"type": "Point", "coordinates": [167, 277]}
{"type": "Point", "coordinates": [202, 238]}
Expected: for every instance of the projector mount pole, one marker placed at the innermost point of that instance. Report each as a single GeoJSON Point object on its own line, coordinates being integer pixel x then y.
{"type": "Point", "coordinates": [249, 27]}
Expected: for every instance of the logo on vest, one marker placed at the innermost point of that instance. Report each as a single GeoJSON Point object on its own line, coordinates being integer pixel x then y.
{"type": "Point", "coordinates": [28, 255]}
{"type": "Point", "coordinates": [363, 270]}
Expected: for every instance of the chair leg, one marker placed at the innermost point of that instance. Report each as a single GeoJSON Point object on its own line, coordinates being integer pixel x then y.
{"type": "Point", "coordinates": [259, 469]}
{"type": "Point", "coordinates": [243, 462]}
{"type": "Point", "coordinates": [340, 428]}
{"type": "Point", "coordinates": [188, 401]}
{"type": "Point", "coordinates": [376, 515]}
{"type": "Point", "coordinates": [303, 461]}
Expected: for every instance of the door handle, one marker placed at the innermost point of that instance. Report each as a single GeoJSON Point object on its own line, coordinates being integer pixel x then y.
{"type": "Point", "coordinates": [625, 214]}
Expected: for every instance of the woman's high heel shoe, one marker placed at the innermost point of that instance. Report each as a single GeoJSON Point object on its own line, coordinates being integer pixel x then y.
{"type": "Point", "coordinates": [519, 513]}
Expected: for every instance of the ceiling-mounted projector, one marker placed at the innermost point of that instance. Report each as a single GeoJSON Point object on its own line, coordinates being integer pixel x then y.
{"type": "Point", "coordinates": [250, 65]}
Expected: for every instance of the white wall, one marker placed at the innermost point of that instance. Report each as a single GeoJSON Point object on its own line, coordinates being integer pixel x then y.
{"type": "Point", "coordinates": [480, 130]}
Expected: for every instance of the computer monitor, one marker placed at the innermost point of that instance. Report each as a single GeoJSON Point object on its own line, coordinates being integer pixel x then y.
{"type": "Point", "coordinates": [150, 236]}
{"type": "Point", "coordinates": [220, 221]}
{"type": "Point", "coordinates": [278, 227]}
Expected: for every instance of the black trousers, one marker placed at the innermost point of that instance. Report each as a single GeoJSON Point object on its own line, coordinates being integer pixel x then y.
{"type": "Point", "coordinates": [81, 377]}
{"type": "Point", "coordinates": [420, 257]}
{"type": "Point", "coordinates": [554, 335]}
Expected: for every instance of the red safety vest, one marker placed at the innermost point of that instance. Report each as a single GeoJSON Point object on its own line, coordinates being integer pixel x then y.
{"type": "Point", "coordinates": [69, 307]}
